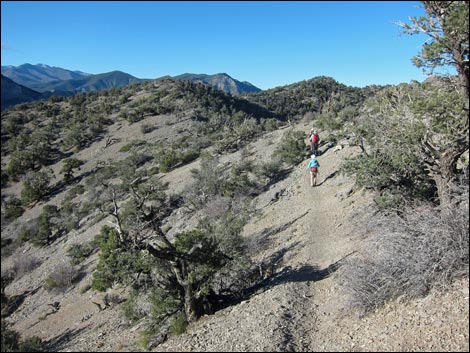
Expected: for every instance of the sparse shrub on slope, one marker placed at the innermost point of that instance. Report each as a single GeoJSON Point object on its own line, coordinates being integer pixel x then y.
{"type": "Point", "coordinates": [116, 264]}
{"type": "Point", "coordinates": [24, 264]}
{"type": "Point", "coordinates": [11, 209]}
{"type": "Point", "coordinates": [292, 148]}
{"type": "Point", "coordinates": [50, 226]}
{"type": "Point", "coordinates": [171, 158]}
{"type": "Point", "coordinates": [213, 180]}
{"type": "Point", "coordinates": [209, 181]}
{"type": "Point", "coordinates": [36, 186]}
{"type": "Point", "coordinates": [12, 342]}
{"type": "Point", "coordinates": [408, 255]}
{"type": "Point", "coordinates": [61, 278]}
{"type": "Point", "coordinates": [79, 252]}
{"type": "Point", "coordinates": [69, 164]}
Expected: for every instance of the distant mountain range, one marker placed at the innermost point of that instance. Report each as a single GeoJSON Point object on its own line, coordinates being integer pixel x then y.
{"type": "Point", "coordinates": [222, 82]}
{"type": "Point", "coordinates": [88, 83]}
{"type": "Point", "coordinates": [28, 75]}
{"type": "Point", "coordinates": [14, 93]}
{"type": "Point", "coordinates": [44, 78]}
{"type": "Point", "coordinates": [40, 81]}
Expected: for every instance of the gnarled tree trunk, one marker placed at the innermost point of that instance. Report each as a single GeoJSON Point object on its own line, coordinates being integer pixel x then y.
{"type": "Point", "coordinates": [444, 171]}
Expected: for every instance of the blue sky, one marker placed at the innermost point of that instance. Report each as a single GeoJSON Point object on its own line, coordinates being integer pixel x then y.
{"type": "Point", "coordinates": [267, 43]}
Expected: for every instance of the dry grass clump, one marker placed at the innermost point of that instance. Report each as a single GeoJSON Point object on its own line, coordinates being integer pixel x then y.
{"type": "Point", "coordinates": [61, 278]}
{"type": "Point", "coordinates": [426, 247]}
{"type": "Point", "coordinates": [23, 264]}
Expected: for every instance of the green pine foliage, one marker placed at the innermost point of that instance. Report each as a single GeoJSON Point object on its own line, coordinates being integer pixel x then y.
{"type": "Point", "coordinates": [35, 186]}
{"type": "Point", "coordinates": [80, 252]}
{"type": "Point", "coordinates": [292, 148]}
{"type": "Point", "coordinates": [68, 167]}
{"type": "Point", "coordinates": [116, 264]}
{"type": "Point", "coordinates": [400, 127]}
{"type": "Point", "coordinates": [412, 137]}
{"type": "Point", "coordinates": [13, 209]}
{"type": "Point", "coordinates": [318, 95]}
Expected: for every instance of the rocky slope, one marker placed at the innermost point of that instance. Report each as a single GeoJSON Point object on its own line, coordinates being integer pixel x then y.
{"type": "Point", "coordinates": [222, 82]}
{"type": "Point", "coordinates": [299, 307]}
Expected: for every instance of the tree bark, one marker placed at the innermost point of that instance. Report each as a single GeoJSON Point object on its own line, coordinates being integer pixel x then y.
{"type": "Point", "coordinates": [184, 281]}
{"type": "Point", "coordinates": [190, 306]}
{"type": "Point", "coordinates": [447, 171]}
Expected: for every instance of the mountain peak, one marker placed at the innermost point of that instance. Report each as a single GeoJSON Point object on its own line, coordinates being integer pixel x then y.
{"type": "Point", "coordinates": [221, 81]}
{"type": "Point", "coordinates": [31, 75]}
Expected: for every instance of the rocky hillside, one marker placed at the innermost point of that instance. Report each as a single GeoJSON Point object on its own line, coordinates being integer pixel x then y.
{"type": "Point", "coordinates": [297, 237]}
{"type": "Point", "coordinates": [221, 81]}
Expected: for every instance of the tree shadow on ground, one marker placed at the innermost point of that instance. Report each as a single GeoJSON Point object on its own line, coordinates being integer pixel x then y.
{"type": "Point", "coordinates": [279, 176]}
{"type": "Point", "coordinates": [306, 273]}
{"type": "Point", "coordinates": [16, 301]}
{"type": "Point", "coordinates": [260, 241]}
{"type": "Point", "coordinates": [250, 280]}
{"type": "Point", "coordinates": [60, 342]}
{"type": "Point", "coordinates": [330, 176]}
{"type": "Point", "coordinates": [288, 274]}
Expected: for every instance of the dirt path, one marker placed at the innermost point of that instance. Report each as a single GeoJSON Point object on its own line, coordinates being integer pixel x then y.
{"type": "Point", "coordinates": [307, 227]}
{"type": "Point", "coordinates": [299, 308]}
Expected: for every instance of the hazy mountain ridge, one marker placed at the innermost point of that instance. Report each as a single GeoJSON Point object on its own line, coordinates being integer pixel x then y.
{"type": "Point", "coordinates": [63, 82]}
{"type": "Point", "coordinates": [39, 80]}
{"type": "Point", "coordinates": [99, 82]}
{"type": "Point", "coordinates": [14, 93]}
{"type": "Point", "coordinates": [28, 74]}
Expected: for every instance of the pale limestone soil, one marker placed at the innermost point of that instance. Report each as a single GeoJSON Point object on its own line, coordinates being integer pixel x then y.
{"type": "Point", "coordinates": [283, 317]}
{"type": "Point", "coordinates": [300, 309]}
{"type": "Point", "coordinates": [304, 308]}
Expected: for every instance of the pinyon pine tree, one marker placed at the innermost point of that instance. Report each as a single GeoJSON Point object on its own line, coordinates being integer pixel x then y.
{"type": "Point", "coordinates": [415, 134]}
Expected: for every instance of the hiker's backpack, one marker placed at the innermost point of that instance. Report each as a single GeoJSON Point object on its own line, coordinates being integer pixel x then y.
{"type": "Point", "coordinates": [315, 167]}
{"type": "Point", "coordinates": [315, 138]}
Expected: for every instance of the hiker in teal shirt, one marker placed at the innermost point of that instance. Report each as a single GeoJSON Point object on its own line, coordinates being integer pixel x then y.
{"type": "Point", "coordinates": [313, 165]}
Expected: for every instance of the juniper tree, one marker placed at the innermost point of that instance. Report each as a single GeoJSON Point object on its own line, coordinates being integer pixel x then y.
{"type": "Point", "coordinates": [415, 134]}
{"type": "Point", "coordinates": [36, 186]}
{"type": "Point", "coordinates": [447, 26]}
{"type": "Point", "coordinates": [67, 169]}
{"type": "Point", "coordinates": [412, 138]}
{"type": "Point", "coordinates": [182, 266]}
